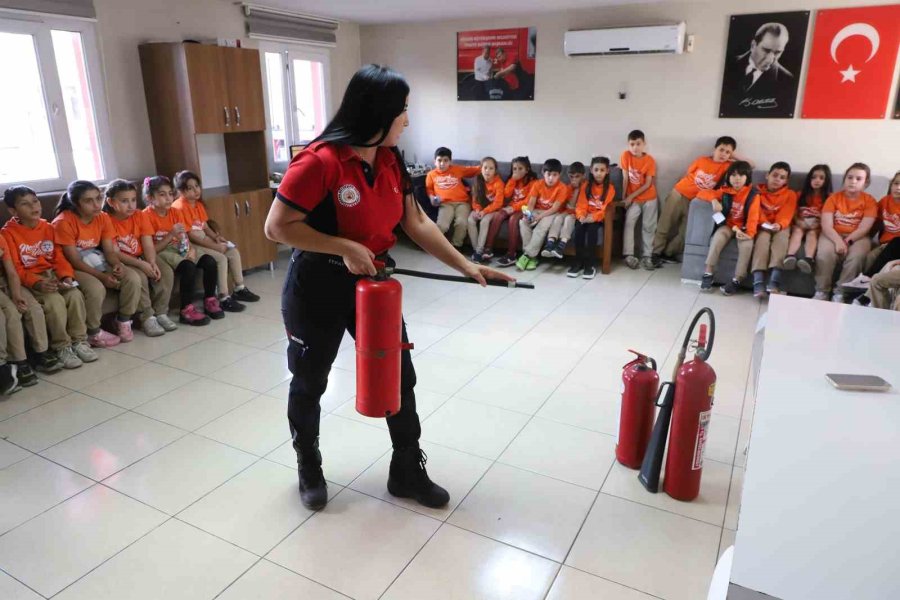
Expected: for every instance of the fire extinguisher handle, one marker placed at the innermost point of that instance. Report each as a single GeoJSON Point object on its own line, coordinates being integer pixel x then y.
{"type": "Point", "coordinates": [664, 393]}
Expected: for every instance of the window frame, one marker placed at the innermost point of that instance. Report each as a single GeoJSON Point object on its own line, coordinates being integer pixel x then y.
{"type": "Point", "coordinates": [40, 26]}
{"type": "Point", "coordinates": [289, 52]}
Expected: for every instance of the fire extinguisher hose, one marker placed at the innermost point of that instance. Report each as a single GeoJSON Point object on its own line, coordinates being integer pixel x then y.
{"type": "Point", "coordinates": [702, 352]}
{"type": "Point", "coordinates": [389, 270]}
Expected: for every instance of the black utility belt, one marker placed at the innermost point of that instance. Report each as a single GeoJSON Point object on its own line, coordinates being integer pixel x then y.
{"type": "Point", "coordinates": [331, 260]}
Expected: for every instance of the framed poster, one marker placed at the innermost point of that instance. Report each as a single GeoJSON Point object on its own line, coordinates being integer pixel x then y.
{"type": "Point", "coordinates": [496, 64]}
{"type": "Point", "coordinates": [762, 65]}
{"type": "Point", "coordinates": [897, 103]}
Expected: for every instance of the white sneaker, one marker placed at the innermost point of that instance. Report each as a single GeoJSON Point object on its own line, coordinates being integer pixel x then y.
{"type": "Point", "coordinates": [166, 323]}
{"type": "Point", "coordinates": [822, 296]}
{"type": "Point", "coordinates": [68, 358]}
{"type": "Point", "coordinates": [860, 282]}
{"type": "Point", "coordinates": [838, 298]}
{"type": "Point", "coordinates": [85, 352]}
{"type": "Point", "coordinates": [152, 328]}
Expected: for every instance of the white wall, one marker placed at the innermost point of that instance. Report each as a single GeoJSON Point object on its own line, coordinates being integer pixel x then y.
{"type": "Point", "coordinates": [124, 24]}
{"type": "Point", "coordinates": [577, 114]}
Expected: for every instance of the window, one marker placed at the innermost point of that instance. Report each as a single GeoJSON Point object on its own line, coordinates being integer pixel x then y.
{"type": "Point", "coordinates": [297, 92]}
{"type": "Point", "coordinates": [53, 120]}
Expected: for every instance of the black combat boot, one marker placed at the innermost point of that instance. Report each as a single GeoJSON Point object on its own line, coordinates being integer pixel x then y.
{"type": "Point", "coordinates": [313, 489]}
{"type": "Point", "coordinates": [409, 479]}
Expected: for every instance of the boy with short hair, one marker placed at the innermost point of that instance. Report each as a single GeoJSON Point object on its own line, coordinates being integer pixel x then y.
{"type": "Point", "coordinates": [563, 223]}
{"type": "Point", "coordinates": [446, 189]}
{"type": "Point", "coordinates": [547, 197]}
{"type": "Point", "coordinates": [639, 171]}
{"type": "Point", "coordinates": [777, 205]}
{"type": "Point", "coordinates": [703, 174]}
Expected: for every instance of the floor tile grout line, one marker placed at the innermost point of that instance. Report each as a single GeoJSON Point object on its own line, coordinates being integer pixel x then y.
{"type": "Point", "coordinates": [19, 581]}
{"type": "Point", "coordinates": [648, 594]}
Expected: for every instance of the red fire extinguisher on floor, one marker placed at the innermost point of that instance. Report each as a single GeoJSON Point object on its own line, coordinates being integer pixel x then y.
{"type": "Point", "coordinates": [688, 406]}
{"type": "Point", "coordinates": [640, 383]}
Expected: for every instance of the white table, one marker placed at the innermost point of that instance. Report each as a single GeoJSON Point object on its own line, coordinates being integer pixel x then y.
{"type": "Point", "coordinates": [820, 513]}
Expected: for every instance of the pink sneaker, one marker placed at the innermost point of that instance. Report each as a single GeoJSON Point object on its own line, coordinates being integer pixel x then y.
{"type": "Point", "coordinates": [191, 316]}
{"type": "Point", "coordinates": [123, 330]}
{"type": "Point", "coordinates": [213, 308]}
{"type": "Point", "coordinates": [103, 339]}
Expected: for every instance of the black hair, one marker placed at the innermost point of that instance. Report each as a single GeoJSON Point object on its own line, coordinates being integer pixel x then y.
{"type": "Point", "coordinates": [13, 193]}
{"type": "Point", "coordinates": [183, 178]}
{"type": "Point", "coordinates": [153, 184]}
{"type": "Point", "coordinates": [808, 192]}
{"type": "Point", "coordinates": [443, 151]}
{"type": "Point", "coordinates": [741, 167]}
{"type": "Point", "coordinates": [114, 187]}
{"type": "Point", "coordinates": [599, 160]}
{"type": "Point", "coordinates": [529, 170]}
{"type": "Point", "coordinates": [577, 167]}
{"type": "Point", "coordinates": [781, 165]}
{"type": "Point", "coordinates": [891, 182]}
{"type": "Point", "coordinates": [72, 196]}
{"type": "Point", "coordinates": [479, 190]}
{"type": "Point", "coordinates": [862, 167]}
{"type": "Point", "coordinates": [636, 134]}
{"type": "Point", "coordinates": [552, 165]}
{"type": "Point", "coordinates": [375, 96]}
{"type": "Point", "coordinates": [727, 140]}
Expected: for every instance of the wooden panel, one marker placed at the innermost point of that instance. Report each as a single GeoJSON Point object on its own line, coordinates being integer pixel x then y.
{"type": "Point", "coordinates": [244, 80]}
{"type": "Point", "coordinates": [245, 154]}
{"type": "Point", "coordinates": [224, 210]}
{"type": "Point", "coordinates": [257, 250]}
{"type": "Point", "coordinates": [208, 89]}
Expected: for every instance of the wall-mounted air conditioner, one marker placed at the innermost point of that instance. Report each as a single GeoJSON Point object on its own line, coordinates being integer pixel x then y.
{"type": "Point", "coordinates": [653, 39]}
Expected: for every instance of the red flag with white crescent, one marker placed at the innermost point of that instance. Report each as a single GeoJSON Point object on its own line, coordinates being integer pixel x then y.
{"type": "Point", "coordinates": [851, 66]}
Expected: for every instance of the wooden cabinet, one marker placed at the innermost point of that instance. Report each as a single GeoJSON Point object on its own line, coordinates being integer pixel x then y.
{"type": "Point", "coordinates": [240, 218]}
{"type": "Point", "coordinates": [242, 72]}
{"type": "Point", "coordinates": [256, 208]}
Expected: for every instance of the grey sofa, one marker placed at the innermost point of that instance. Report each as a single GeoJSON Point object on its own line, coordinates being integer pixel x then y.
{"type": "Point", "coordinates": [700, 229]}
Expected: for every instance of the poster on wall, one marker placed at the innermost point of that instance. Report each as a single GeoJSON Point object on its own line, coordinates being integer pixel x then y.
{"type": "Point", "coordinates": [762, 65]}
{"type": "Point", "coordinates": [897, 103]}
{"type": "Point", "coordinates": [496, 64]}
{"type": "Point", "coordinates": [851, 65]}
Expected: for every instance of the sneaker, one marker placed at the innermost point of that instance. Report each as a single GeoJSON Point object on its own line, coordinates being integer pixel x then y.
{"type": "Point", "coordinates": [476, 257]}
{"type": "Point", "coordinates": [672, 260]}
{"type": "Point", "coordinates": [559, 250]}
{"type": "Point", "coordinates": [27, 376]}
{"type": "Point", "coordinates": [487, 255]}
{"type": "Point", "coordinates": [731, 288]}
{"type": "Point", "coordinates": [589, 273]}
{"type": "Point", "coordinates": [407, 478]}
{"type": "Point", "coordinates": [837, 297]}
{"type": "Point", "coordinates": [123, 331]}
{"type": "Point", "coordinates": [861, 282]}
{"type": "Point", "coordinates": [574, 271]}
{"type": "Point", "coordinates": [245, 295]}
{"type": "Point", "coordinates": [862, 301]}
{"type": "Point", "coordinates": [647, 264]}
{"type": "Point", "coordinates": [806, 265]}
{"type": "Point", "coordinates": [532, 264]}
{"type": "Point", "coordinates": [790, 262]}
{"type": "Point", "coordinates": [166, 323]}
{"type": "Point", "coordinates": [103, 339]}
{"type": "Point", "coordinates": [522, 263]}
{"type": "Point", "coordinates": [84, 352]}
{"type": "Point", "coordinates": [213, 308]}
{"type": "Point", "coordinates": [9, 383]}
{"type": "Point", "coordinates": [46, 362]}
{"type": "Point", "coordinates": [506, 261]}
{"type": "Point", "coordinates": [192, 316]}
{"type": "Point", "coordinates": [657, 261]}
{"type": "Point", "coordinates": [759, 290]}
{"type": "Point", "coordinates": [549, 247]}
{"type": "Point", "coordinates": [822, 296]}
{"type": "Point", "coordinates": [774, 285]}
{"type": "Point", "coordinates": [152, 328]}
{"type": "Point", "coordinates": [68, 359]}
{"type": "Point", "coordinates": [706, 283]}
{"type": "Point", "coordinates": [231, 305]}
{"type": "Point", "coordinates": [632, 262]}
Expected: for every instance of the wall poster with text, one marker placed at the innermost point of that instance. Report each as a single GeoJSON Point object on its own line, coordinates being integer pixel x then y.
{"type": "Point", "coordinates": [496, 64]}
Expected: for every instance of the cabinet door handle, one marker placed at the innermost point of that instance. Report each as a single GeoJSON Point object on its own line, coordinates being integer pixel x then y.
{"type": "Point", "coordinates": [227, 117]}
{"type": "Point", "coordinates": [237, 211]}
{"type": "Point", "coordinates": [247, 207]}
{"type": "Point", "coordinates": [237, 114]}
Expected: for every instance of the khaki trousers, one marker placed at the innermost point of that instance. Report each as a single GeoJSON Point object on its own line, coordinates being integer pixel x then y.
{"type": "Point", "coordinates": [851, 264]}
{"type": "Point", "coordinates": [561, 227]}
{"type": "Point", "coordinates": [719, 241]}
{"type": "Point", "coordinates": [672, 226]}
{"type": "Point", "coordinates": [649, 211]}
{"type": "Point", "coordinates": [227, 263]}
{"type": "Point", "coordinates": [770, 249]}
{"type": "Point", "coordinates": [881, 286]}
{"type": "Point", "coordinates": [478, 230]}
{"type": "Point", "coordinates": [12, 337]}
{"type": "Point", "coordinates": [65, 315]}
{"type": "Point", "coordinates": [456, 214]}
{"type": "Point", "coordinates": [533, 236]}
{"type": "Point", "coordinates": [154, 298]}
{"type": "Point", "coordinates": [32, 319]}
{"type": "Point", "coordinates": [95, 291]}
{"type": "Point", "coordinates": [873, 255]}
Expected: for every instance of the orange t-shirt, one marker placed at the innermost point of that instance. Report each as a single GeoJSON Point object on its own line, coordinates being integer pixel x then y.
{"type": "Point", "coordinates": [735, 216]}
{"type": "Point", "coordinates": [161, 226]}
{"type": "Point", "coordinates": [72, 231]}
{"type": "Point", "coordinates": [778, 206]}
{"type": "Point", "coordinates": [813, 207]}
{"type": "Point", "coordinates": [129, 232]}
{"type": "Point", "coordinates": [849, 212]}
{"type": "Point", "coordinates": [495, 191]}
{"type": "Point", "coordinates": [448, 185]}
{"type": "Point", "coordinates": [571, 200]}
{"type": "Point", "coordinates": [518, 192]}
{"type": "Point", "coordinates": [889, 209]}
{"type": "Point", "coordinates": [594, 205]}
{"type": "Point", "coordinates": [196, 215]}
{"type": "Point", "coordinates": [548, 196]}
{"type": "Point", "coordinates": [636, 171]}
{"type": "Point", "coordinates": [34, 251]}
{"type": "Point", "coordinates": [703, 174]}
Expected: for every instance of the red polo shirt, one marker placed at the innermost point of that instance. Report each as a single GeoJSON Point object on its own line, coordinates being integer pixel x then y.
{"type": "Point", "coordinates": [341, 196]}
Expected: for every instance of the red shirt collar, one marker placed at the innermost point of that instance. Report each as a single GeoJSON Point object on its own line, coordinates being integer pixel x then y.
{"type": "Point", "coordinates": [383, 156]}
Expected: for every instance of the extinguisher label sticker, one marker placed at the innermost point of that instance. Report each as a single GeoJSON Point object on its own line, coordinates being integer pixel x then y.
{"type": "Point", "coordinates": [700, 444]}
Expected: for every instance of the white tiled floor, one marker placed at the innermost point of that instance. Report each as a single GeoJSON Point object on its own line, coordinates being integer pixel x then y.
{"type": "Point", "coordinates": [165, 470]}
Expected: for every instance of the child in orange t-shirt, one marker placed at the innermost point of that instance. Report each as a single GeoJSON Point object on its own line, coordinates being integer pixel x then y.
{"type": "Point", "coordinates": [446, 189]}
{"type": "Point", "coordinates": [563, 223]}
{"type": "Point", "coordinates": [808, 221]}
{"type": "Point", "coordinates": [208, 241]}
{"type": "Point", "coordinates": [639, 172]}
{"type": "Point", "coordinates": [889, 242]}
{"type": "Point", "coordinates": [546, 198]}
{"type": "Point", "coordinates": [847, 220]}
{"type": "Point", "coordinates": [87, 238]}
{"type": "Point", "coordinates": [48, 277]}
{"type": "Point", "coordinates": [487, 203]}
{"type": "Point", "coordinates": [134, 239]}
{"type": "Point", "coordinates": [594, 198]}
{"type": "Point", "coordinates": [517, 192]}
{"type": "Point", "coordinates": [777, 205]}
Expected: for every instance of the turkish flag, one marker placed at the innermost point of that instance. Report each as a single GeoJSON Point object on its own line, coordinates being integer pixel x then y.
{"type": "Point", "coordinates": [851, 66]}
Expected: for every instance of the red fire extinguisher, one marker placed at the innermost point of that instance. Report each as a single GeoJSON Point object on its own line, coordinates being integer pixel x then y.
{"type": "Point", "coordinates": [688, 405]}
{"type": "Point", "coordinates": [640, 382]}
